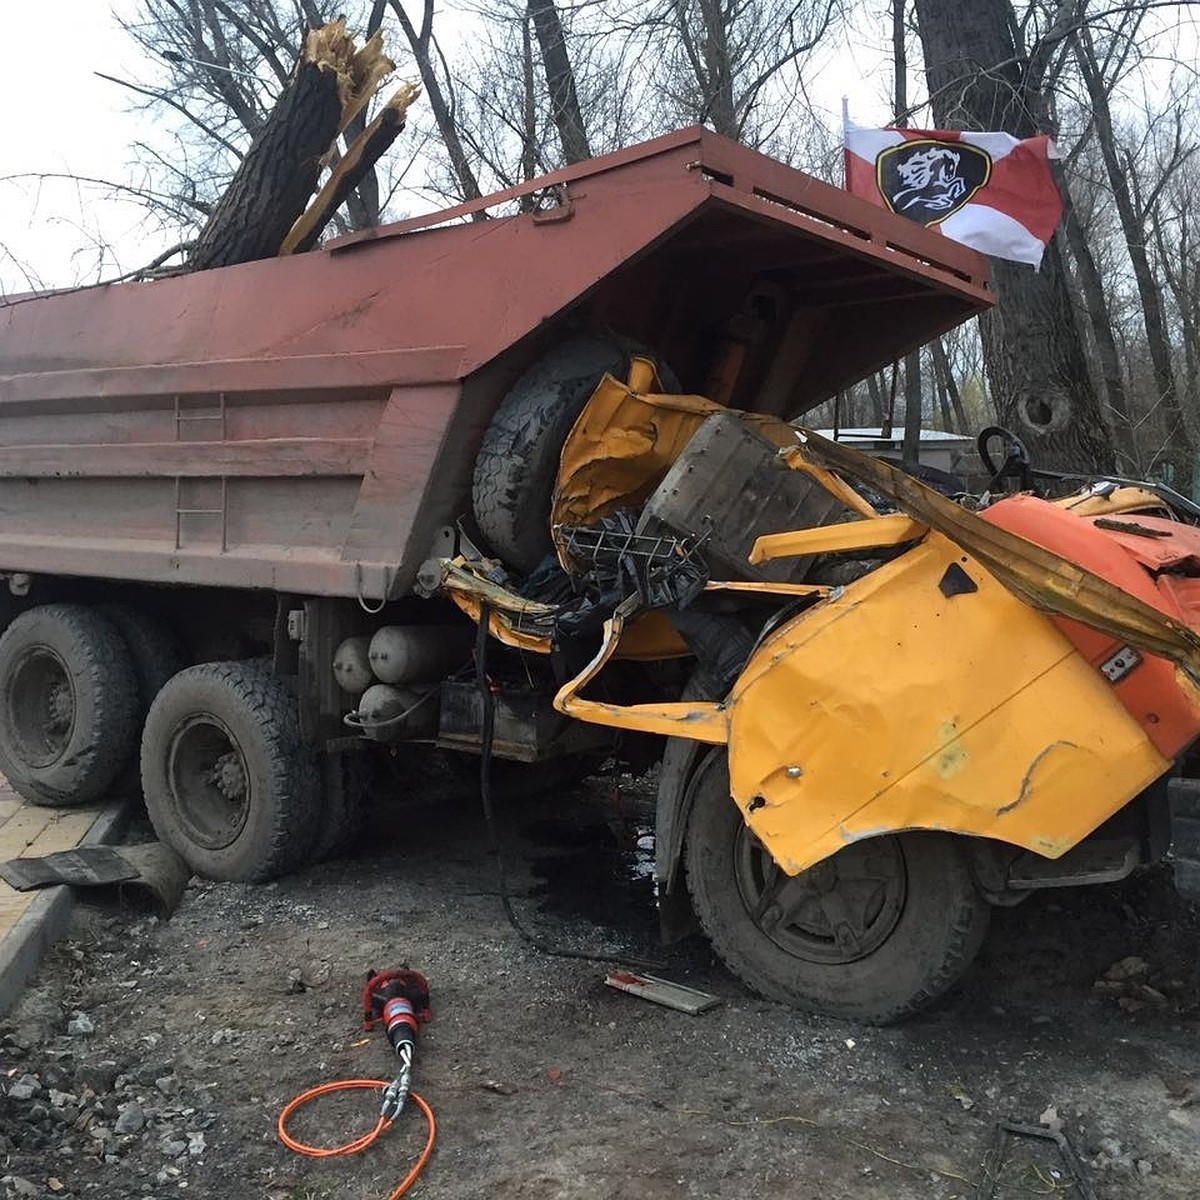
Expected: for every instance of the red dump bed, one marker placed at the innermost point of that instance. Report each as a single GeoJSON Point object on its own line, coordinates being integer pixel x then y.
{"type": "Point", "coordinates": [307, 424]}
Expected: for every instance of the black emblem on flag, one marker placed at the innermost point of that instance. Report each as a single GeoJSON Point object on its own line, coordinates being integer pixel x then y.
{"type": "Point", "coordinates": [926, 181]}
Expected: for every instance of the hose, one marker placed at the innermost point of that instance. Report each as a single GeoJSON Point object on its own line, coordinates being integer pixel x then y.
{"type": "Point", "coordinates": [361, 1143]}
{"type": "Point", "coordinates": [487, 741]}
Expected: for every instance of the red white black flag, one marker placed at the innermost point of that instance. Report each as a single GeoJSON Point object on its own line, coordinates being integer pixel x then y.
{"type": "Point", "coordinates": [991, 191]}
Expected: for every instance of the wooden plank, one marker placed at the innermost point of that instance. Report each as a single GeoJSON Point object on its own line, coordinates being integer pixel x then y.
{"type": "Point", "coordinates": [22, 829]}
{"type": "Point", "coordinates": [64, 831]}
{"type": "Point", "coordinates": [31, 832]}
{"type": "Point", "coordinates": [263, 458]}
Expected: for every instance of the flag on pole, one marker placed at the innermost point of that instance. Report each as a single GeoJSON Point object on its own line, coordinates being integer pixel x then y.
{"type": "Point", "coordinates": [990, 191]}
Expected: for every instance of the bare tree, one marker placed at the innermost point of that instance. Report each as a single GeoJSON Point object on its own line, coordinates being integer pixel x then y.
{"type": "Point", "coordinates": [734, 64]}
{"type": "Point", "coordinates": [1133, 205]}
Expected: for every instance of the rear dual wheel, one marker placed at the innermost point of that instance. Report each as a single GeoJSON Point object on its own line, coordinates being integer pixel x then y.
{"type": "Point", "coordinates": [874, 933]}
{"type": "Point", "coordinates": [68, 704]}
{"type": "Point", "coordinates": [229, 783]}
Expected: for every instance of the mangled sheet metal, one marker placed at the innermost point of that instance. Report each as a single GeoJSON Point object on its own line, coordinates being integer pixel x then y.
{"type": "Point", "coordinates": [1018, 673]}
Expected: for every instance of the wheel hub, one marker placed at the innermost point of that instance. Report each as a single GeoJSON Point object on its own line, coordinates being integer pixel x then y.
{"type": "Point", "coordinates": [39, 699]}
{"type": "Point", "coordinates": [838, 911]}
{"type": "Point", "coordinates": [229, 776]}
{"type": "Point", "coordinates": [60, 705]}
{"type": "Point", "coordinates": [209, 782]}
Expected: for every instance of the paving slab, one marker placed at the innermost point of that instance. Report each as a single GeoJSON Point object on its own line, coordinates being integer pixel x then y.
{"type": "Point", "coordinates": [30, 922]}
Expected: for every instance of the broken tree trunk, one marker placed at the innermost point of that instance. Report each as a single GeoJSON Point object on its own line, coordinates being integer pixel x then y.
{"type": "Point", "coordinates": [332, 83]}
{"type": "Point", "coordinates": [362, 155]}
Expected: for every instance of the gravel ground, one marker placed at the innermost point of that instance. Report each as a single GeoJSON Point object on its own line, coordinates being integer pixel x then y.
{"type": "Point", "coordinates": [151, 1059]}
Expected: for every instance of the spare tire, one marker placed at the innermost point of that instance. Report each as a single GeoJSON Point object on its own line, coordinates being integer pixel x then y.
{"type": "Point", "coordinates": [518, 459]}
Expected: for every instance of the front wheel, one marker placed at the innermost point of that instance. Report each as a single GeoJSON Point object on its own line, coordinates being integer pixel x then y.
{"type": "Point", "coordinates": [874, 933]}
{"type": "Point", "coordinates": [229, 783]}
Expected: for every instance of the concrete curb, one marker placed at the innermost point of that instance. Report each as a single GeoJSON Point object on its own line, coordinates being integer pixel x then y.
{"type": "Point", "coordinates": [42, 924]}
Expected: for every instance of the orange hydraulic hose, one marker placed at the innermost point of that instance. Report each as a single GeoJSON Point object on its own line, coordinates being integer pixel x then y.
{"type": "Point", "coordinates": [360, 1143]}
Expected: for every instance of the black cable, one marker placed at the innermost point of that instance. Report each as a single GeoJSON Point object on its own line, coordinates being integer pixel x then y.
{"type": "Point", "coordinates": [487, 736]}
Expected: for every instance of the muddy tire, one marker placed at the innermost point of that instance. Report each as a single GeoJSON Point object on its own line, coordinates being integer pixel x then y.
{"type": "Point", "coordinates": [518, 458]}
{"type": "Point", "coordinates": [156, 657]}
{"type": "Point", "coordinates": [228, 781]}
{"type": "Point", "coordinates": [68, 705]}
{"type": "Point", "coordinates": [345, 800]}
{"type": "Point", "coordinates": [875, 933]}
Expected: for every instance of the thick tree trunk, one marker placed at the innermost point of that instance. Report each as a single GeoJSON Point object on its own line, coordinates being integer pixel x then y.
{"type": "Point", "coordinates": [276, 178]}
{"type": "Point", "coordinates": [1038, 371]}
{"type": "Point", "coordinates": [273, 183]}
{"type": "Point", "coordinates": [560, 80]}
{"type": "Point", "coordinates": [875, 393]}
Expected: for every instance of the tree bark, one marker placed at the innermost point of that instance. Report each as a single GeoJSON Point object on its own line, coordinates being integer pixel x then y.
{"type": "Point", "coordinates": [274, 181]}
{"type": "Point", "coordinates": [560, 80]}
{"type": "Point", "coordinates": [333, 82]}
{"type": "Point", "coordinates": [1036, 364]}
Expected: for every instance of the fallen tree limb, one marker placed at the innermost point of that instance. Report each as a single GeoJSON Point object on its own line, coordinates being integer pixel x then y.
{"type": "Point", "coordinates": [333, 81]}
{"type": "Point", "coordinates": [364, 152]}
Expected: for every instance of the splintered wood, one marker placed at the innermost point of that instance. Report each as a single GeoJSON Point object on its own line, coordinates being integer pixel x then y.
{"type": "Point", "coordinates": [262, 212]}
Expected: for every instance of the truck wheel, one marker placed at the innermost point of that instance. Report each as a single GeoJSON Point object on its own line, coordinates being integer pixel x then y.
{"type": "Point", "coordinates": [69, 718]}
{"type": "Point", "coordinates": [229, 783]}
{"type": "Point", "coordinates": [518, 458]}
{"type": "Point", "coordinates": [155, 656]}
{"type": "Point", "coordinates": [152, 649]}
{"type": "Point", "coordinates": [873, 933]}
{"type": "Point", "coordinates": [345, 782]}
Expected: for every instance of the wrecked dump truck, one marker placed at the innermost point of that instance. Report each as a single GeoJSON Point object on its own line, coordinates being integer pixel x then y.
{"type": "Point", "coordinates": [528, 489]}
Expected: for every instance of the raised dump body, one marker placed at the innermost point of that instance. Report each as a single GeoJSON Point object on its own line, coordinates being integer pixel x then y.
{"type": "Point", "coordinates": [307, 424]}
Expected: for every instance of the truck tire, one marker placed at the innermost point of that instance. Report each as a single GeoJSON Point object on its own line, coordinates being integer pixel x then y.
{"type": "Point", "coordinates": [228, 780]}
{"type": "Point", "coordinates": [518, 458]}
{"type": "Point", "coordinates": [345, 791]}
{"type": "Point", "coordinates": [69, 717]}
{"type": "Point", "coordinates": [908, 917]}
{"type": "Point", "coordinates": [156, 657]}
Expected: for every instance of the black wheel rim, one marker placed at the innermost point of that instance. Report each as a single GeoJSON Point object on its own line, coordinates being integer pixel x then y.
{"type": "Point", "coordinates": [836, 912]}
{"type": "Point", "coordinates": [40, 706]}
{"type": "Point", "coordinates": [208, 780]}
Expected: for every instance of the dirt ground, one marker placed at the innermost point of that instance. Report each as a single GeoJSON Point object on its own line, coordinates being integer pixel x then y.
{"type": "Point", "coordinates": [547, 1083]}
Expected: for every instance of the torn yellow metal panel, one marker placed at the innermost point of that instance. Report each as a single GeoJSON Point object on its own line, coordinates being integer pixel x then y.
{"type": "Point", "coordinates": [626, 439]}
{"type": "Point", "coordinates": [701, 721]}
{"type": "Point", "coordinates": [619, 449]}
{"type": "Point", "coordinates": [875, 534]}
{"type": "Point", "coordinates": [895, 707]}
